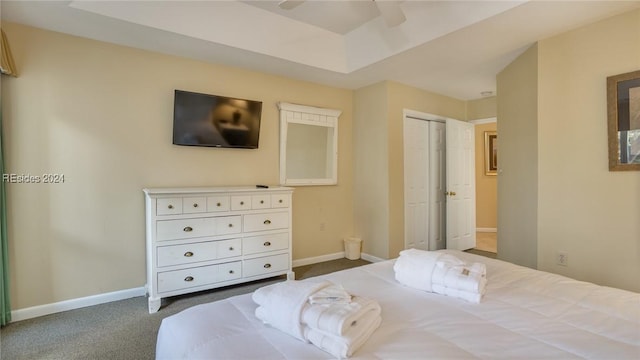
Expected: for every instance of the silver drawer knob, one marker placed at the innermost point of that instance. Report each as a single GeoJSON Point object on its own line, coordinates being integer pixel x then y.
{"type": "Point", "coordinates": [188, 278]}
{"type": "Point", "coordinates": [187, 229]}
{"type": "Point", "coordinates": [267, 243]}
{"type": "Point", "coordinates": [266, 266]}
{"type": "Point", "coordinates": [188, 254]}
{"type": "Point", "coordinates": [267, 222]}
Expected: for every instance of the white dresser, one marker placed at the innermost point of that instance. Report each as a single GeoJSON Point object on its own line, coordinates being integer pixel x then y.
{"type": "Point", "coordinates": [204, 238]}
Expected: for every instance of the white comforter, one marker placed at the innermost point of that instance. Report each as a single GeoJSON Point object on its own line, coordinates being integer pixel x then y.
{"type": "Point", "coordinates": [524, 314]}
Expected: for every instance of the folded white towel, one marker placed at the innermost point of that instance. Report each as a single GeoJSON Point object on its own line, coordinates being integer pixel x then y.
{"type": "Point", "coordinates": [441, 273]}
{"type": "Point", "coordinates": [340, 319]}
{"type": "Point", "coordinates": [460, 294]}
{"type": "Point", "coordinates": [460, 277]}
{"type": "Point", "coordinates": [347, 345]}
{"type": "Point", "coordinates": [281, 304]}
{"type": "Point", "coordinates": [414, 267]}
{"type": "Point", "coordinates": [332, 294]}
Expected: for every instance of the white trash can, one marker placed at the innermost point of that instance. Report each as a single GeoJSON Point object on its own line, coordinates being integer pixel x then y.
{"type": "Point", "coordinates": [352, 248]}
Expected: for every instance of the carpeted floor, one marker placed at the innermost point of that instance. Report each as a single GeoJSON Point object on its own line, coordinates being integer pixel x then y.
{"type": "Point", "coordinates": [121, 329]}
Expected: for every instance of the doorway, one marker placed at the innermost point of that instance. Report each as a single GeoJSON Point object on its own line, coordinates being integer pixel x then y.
{"type": "Point", "coordinates": [439, 182]}
{"type": "Point", "coordinates": [486, 188]}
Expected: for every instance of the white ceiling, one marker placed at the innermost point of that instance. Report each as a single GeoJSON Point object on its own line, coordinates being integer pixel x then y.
{"type": "Point", "coordinates": [453, 48]}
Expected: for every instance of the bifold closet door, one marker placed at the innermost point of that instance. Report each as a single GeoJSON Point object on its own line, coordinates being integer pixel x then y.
{"type": "Point", "coordinates": [437, 185]}
{"type": "Point", "coordinates": [416, 184]}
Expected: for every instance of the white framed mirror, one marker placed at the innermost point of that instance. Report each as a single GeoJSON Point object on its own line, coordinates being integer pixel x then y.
{"type": "Point", "coordinates": [308, 145]}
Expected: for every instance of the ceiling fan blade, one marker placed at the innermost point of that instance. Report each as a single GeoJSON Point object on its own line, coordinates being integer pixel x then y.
{"type": "Point", "coordinates": [289, 4]}
{"type": "Point", "coordinates": [391, 12]}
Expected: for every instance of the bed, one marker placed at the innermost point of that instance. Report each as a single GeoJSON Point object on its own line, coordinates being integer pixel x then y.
{"type": "Point", "coordinates": [525, 313]}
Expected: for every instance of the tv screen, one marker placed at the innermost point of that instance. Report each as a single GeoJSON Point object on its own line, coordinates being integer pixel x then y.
{"type": "Point", "coordinates": [217, 121]}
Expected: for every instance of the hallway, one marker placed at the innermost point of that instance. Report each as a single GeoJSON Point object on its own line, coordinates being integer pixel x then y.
{"type": "Point", "coordinates": [487, 241]}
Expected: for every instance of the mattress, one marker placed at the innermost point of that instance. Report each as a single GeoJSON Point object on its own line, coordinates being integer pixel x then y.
{"type": "Point", "coordinates": [525, 313]}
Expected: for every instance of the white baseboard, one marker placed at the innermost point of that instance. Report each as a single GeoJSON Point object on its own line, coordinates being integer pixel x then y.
{"type": "Point", "coordinates": [334, 256]}
{"type": "Point", "coordinates": [371, 258]}
{"type": "Point", "coordinates": [317, 259]}
{"type": "Point", "coordinates": [486, 230]}
{"type": "Point", "coordinates": [46, 309]}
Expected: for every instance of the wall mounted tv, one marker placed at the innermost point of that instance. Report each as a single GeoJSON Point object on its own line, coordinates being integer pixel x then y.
{"type": "Point", "coordinates": [215, 121]}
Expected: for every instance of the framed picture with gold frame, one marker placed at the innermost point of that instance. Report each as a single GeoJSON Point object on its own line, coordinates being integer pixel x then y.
{"type": "Point", "coordinates": [490, 153]}
{"type": "Point", "coordinates": [623, 112]}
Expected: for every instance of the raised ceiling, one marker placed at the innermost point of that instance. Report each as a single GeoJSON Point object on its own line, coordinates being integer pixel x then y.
{"type": "Point", "coordinates": [454, 48]}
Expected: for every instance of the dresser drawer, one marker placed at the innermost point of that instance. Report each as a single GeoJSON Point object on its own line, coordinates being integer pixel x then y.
{"type": "Point", "coordinates": [260, 201]}
{"type": "Point", "coordinates": [241, 202]}
{"type": "Point", "coordinates": [280, 201]}
{"type": "Point", "coordinates": [226, 225]}
{"type": "Point", "coordinates": [194, 205]}
{"type": "Point", "coordinates": [184, 229]}
{"type": "Point", "coordinates": [265, 265]}
{"type": "Point", "coordinates": [218, 203]}
{"type": "Point", "coordinates": [187, 254]}
{"type": "Point", "coordinates": [186, 278]}
{"type": "Point", "coordinates": [229, 248]}
{"type": "Point", "coordinates": [230, 271]}
{"type": "Point", "coordinates": [171, 206]}
{"type": "Point", "coordinates": [264, 243]}
{"type": "Point", "coordinates": [268, 221]}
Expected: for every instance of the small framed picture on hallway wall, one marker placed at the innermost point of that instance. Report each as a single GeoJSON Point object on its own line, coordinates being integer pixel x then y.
{"type": "Point", "coordinates": [490, 153]}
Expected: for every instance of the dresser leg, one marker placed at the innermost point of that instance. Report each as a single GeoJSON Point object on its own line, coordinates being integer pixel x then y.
{"type": "Point", "coordinates": [154, 305]}
{"type": "Point", "coordinates": [291, 275]}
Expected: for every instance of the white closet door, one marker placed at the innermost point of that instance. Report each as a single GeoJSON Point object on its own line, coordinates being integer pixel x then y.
{"type": "Point", "coordinates": [461, 188]}
{"type": "Point", "coordinates": [437, 188]}
{"type": "Point", "coordinates": [416, 184]}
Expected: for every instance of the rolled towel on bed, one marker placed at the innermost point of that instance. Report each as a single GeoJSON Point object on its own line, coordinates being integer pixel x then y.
{"type": "Point", "coordinates": [460, 277]}
{"type": "Point", "coordinates": [344, 346]}
{"type": "Point", "coordinates": [441, 273]}
{"type": "Point", "coordinates": [460, 294]}
{"type": "Point", "coordinates": [281, 304]}
{"type": "Point", "coordinates": [340, 318]}
{"type": "Point", "coordinates": [414, 267]}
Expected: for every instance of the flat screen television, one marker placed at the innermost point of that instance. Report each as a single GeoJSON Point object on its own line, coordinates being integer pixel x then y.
{"type": "Point", "coordinates": [215, 121]}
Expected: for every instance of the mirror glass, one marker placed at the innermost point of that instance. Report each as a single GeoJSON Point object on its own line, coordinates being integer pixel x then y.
{"type": "Point", "coordinates": [623, 108]}
{"type": "Point", "coordinates": [309, 151]}
{"type": "Point", "coordinates": [309, 145]}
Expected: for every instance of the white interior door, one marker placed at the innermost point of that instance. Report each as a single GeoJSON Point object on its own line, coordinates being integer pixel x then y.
{"type": "Point", "coordinates": [416, 184]}
{"type": "Point", "coordinates": [460, 191]}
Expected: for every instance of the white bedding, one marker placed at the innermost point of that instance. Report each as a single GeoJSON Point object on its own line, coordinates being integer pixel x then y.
{"type": "Point", "coordinates": [525, 313]}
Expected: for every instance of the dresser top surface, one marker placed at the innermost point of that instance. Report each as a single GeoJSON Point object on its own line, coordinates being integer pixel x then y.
{"type": "Point", "coordinates": [217, 189]}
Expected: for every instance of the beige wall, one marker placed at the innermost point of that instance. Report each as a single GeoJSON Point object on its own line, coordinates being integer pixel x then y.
{"type": "Point", "coordinates": [370, 169]}
{"type": "Point", "coordinates": [101, 114]}
{"type": "Point", "coordinates": [584, 209]}
{"type": "Point", "coordinates": [486, 185]}
{"type": "Point", "coordinates": [379, 159]}
{"type": "Point", "coordinates": [402, 97]}
{"type": "Point", "coordinates": [517, 87]}
{"type": "Point", "coordinates": [483, 108]}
